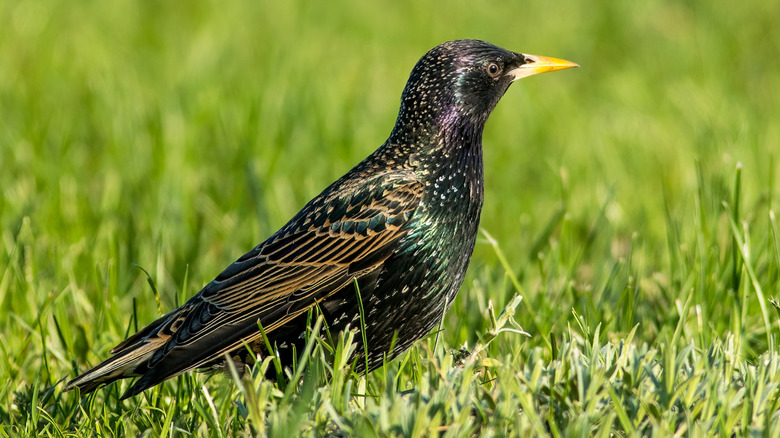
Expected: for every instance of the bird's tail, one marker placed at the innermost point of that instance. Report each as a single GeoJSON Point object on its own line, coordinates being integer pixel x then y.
{"type": "Point", "coordinates": [128, 360]}
{"type": "Point", "coordinates": [120, 366]}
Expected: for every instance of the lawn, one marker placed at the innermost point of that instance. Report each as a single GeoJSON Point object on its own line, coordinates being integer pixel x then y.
{"type": "Point", "coordinates": [628, 226]}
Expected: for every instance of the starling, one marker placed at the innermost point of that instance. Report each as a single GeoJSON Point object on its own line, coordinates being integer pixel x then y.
{"type": "Point", "coordinates": [402, 224]}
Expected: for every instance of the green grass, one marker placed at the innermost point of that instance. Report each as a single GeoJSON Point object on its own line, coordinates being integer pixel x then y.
{"type": "Point", "coordinates": [175, 136]}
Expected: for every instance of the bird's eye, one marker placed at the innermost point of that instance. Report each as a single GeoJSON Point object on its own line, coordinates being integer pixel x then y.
{"type": "Point", "coordinates": [493, 69]}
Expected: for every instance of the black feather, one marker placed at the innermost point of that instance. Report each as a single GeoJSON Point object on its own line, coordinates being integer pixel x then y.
{"type": "Point", "coordinates": [403, 222]}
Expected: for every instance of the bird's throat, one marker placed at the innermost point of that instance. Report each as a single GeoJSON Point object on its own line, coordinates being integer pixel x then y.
{"type": "Point", "coordinates": [451, 167]}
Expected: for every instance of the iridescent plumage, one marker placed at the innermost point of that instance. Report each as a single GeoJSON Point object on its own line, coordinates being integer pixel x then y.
{"type": "Point", "coordinates": [403, 223]}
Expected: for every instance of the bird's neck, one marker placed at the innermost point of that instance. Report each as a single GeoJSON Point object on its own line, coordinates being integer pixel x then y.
{"type": "Point", "coordinates": [448, 158]}
{"type": "Point", "coordinates": [451, 140]}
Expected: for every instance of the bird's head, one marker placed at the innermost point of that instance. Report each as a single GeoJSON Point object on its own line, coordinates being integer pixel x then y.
{"type": "Point", "coordinates": [463, 80]}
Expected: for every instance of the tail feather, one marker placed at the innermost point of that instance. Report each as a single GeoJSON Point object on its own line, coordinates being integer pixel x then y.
{"type": "Point", "coordinates": [131, 357]}
{"type": "Point", "coordinates": [143, 333]}
{"type": "Point", "coordinates": [128, 363]}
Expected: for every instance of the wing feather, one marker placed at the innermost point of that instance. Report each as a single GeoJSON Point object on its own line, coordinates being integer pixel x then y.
{"type": "Point", "coordinates": [331, 242]}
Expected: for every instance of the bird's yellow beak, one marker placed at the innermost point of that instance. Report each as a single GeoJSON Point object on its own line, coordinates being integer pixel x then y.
{"type": "Point", "coordinates": [539, 64]}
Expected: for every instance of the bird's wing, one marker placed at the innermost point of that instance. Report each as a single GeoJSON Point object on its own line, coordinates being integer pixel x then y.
{"type": "Point", "coordinates": [336, 238]}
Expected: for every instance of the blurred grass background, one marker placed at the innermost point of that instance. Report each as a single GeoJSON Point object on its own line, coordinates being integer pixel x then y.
{"type": "Point", "coordinates": [176, 136]}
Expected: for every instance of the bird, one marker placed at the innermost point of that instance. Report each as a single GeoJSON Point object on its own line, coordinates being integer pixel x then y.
{"type": "Point", "coordinates": [400, 227]}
